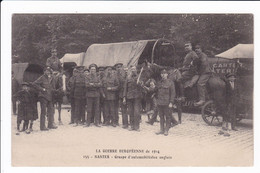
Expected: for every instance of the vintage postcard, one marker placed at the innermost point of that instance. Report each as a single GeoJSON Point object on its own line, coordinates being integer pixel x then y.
{"type": "Point", "coordinates": [93, 88]}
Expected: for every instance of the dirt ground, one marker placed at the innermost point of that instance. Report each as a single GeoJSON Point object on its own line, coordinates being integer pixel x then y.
{"type": "Point", "coordinates": [192, 143]}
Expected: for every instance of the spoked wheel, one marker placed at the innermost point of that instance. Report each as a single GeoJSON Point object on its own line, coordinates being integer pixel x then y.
{"type": "Point", "coordinates": [210, 114]}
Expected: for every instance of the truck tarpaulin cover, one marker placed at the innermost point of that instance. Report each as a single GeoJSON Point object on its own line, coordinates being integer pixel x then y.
{"type": "Point", "coordinates": [127, 53]}
{"type": "Point", "coordinates": [26, 72]}
{"type": "Point", "coordinates": [18, 69]}
{"type": "Point", "coordinates": [239, 51]}
{"type": "Point", "coordinates": [77, 58]}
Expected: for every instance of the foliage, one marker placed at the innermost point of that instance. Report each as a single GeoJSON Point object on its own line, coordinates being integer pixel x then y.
{"type": "Point", "coordinates": [34, 35]}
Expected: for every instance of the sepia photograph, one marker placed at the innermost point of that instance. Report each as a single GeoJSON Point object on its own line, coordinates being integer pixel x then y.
{"type": "Point", "coordinates": [132, 89]}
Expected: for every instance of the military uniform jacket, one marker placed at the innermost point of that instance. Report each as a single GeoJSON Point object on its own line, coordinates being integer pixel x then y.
{"type": "Point", "coordinates": [165, 92]}
{"type": "Point", "coordinates": [54, 63]}
{"type": "Point", "coordinates": [43, 82]}
{"type": "Point", "coordinates": [122, 80]}
{"type": "Point", "coordinates": [112, 83]}
{"type": "Point", "coordinates": [132, 89]}
{"type": "Point", "coordinates": [189, 58]}
{"type": "Point", "coordinates": [93, 85]}
{"type": "Point", "coordinates": [78, 86]}
{"type": "Point", "coordinates": [203, 65]}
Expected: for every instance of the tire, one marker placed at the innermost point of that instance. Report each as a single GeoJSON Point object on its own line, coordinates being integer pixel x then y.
{"type": "Point", "coordinates": [210, 114]}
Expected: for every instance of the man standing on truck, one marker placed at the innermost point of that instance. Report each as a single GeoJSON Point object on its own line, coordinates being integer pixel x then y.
{"type": "Point", "coordinates": [204, 72]}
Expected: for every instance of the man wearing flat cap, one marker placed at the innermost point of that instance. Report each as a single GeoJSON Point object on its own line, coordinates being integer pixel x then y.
{"type": "Point", "coordinates": [232, 98]}
{"type": "Point", "coordinates": [165, 94]}
{"type": "Point", "coordinates": [45, 84]}
{"type": "Point", "coordinates": [93, 85]}
{"type": "Point", "coordinates": [53, 61]}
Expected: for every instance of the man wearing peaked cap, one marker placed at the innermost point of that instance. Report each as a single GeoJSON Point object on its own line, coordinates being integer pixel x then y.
{"type": "Point", "coordinates": [230, 76]}
{"type": "Point", "coordinates": [101, 73]}
{"type": "Point", "coordinates": [48, 69]}
{"type": "Point", "coordinates": [80, 68]}
{"type": "Point", "coordinates": [93, 65]}
{"type": "Point", "coordinates": [101, 68]}
{"type": "Point", "coordinates": [232, 97]}
{"type": "Point", "coordinates": [110, 86]}
{"type": "Point", "coordinates": [118, 65]}
{"type": "Point", "coordinates": [165, 100]}
{"type": "Point", "coordinates": [189, 65]}
{"type": "Point", "coordinates": [79, 90]}
{"type": "Point", "coordinates": [54, 61]}
{"type": "Point", "coordinates": [93, 85]}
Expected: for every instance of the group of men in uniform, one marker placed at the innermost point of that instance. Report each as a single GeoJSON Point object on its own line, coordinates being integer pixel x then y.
{"type": "Point", "coordinates": [104, 91]}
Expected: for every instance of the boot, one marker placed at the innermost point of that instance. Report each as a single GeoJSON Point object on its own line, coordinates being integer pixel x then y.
{"type": "Point", "coordinates": [226, 134]}
{"type": "Point", "coordinates": [87, 125]}
{"type": "Point", "coordinates": [44, 129]}
{"type": "Point", "coordinates": [159, 133]}
{"type": "Point", "coordinates": [23, 128]}
{"type": "Point", "coordinates": [221, 132]}
{"type": "Point", "coordinates": [149, 122]}
{"type": "Point", "coordinates": [125, 126]}
{"type": "Point", "coordinates": [52, 126]}
{"type": "Point", "coordinates": [224, 125]}
{"type": "Point", "coordinates": [233, 127]}
{"type": "Point", "coordinates": [27, 131]}
{"type": "Point", "coordinates": [18, 127]}
{"type": "Point", "coordinates": [31, 125]}
{"type": "Point", "coordinates": [199, 103]}
{"type": "Point", "coordinates": [166, 133]}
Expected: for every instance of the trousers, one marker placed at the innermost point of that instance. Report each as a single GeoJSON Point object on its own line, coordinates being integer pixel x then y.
{"type": "Point", "coordinates": [93, 109]}
{"type": "Point", "coordinates": [124, 112]}
{"type": "Point", "coordinates": [110, 113]}
{"type": "Point", "coordinates": [72, 112]}
{"type": "Point", "coordinates": [133, 106]}
{"type": "Point", "coordinates": [47, 109]}
{"type": "Point", "coordinates": [79, 110]}
{"type": "Point", "coordinates": [201, 86]}
{"type": "Point", "coordinates": [165, 117]}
